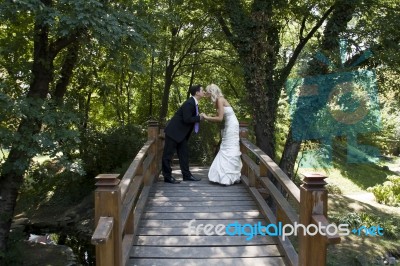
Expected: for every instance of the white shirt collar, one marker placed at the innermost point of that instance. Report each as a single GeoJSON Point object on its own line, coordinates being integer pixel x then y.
{"type": "Point", "coordinates": [195, 100]}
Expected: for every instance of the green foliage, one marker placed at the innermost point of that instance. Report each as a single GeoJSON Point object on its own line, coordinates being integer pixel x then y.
{"type": "Point", "coordinates": [120, 76]}
{"type": "Point", "coordinates": [102, 152]}
{"type": "Point", "coordinates": [390, 226]}
{"type": "Point", "coordinates": [65, 182]}
{"type": "Point", "coordinates": [111, 23]}
{"type": "Point", "coordinates": [333, 189]}
{"type": "Point", "coordinates": [15, 250]}
{"type": "Point", "coordinates": [40, 181]}
{"type": "Point", "coordinates": [389, 192]}
{"type": "Point", "coordinates": [388, 138]}
{"type": "Point", "coordinates": [53, 182]}
{"type": "Point", "coordinates": [58, 137]}
{"type": "Point", "coordinates": [363, 175]}
{"type": "Point", "coordinates": [203, 146]}
{"type": "Point", "coordinates": [352, 219]}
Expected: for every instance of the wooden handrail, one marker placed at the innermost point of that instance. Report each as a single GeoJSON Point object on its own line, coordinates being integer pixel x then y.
{"type": "Point", "coordinates": [103, 239]}
{"type": "Point", "coordinates": [134, 168]}
{"type": "Point", "coordinates": [274, 169]}
{"type": "Point", "coordinates": [310, 199]}
{"type": "Point", "coordinates": [119, 204]}
{"type": "Point", "coordinates": [321, 219]}
{"type": "Point", "coordinates": [103, 231]}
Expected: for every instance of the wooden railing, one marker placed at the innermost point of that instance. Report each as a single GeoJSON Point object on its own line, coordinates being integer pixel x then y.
{"type": "Point", "coordinates": [119, 203]}
{"type": "Point", "coordinates": [265, 180]}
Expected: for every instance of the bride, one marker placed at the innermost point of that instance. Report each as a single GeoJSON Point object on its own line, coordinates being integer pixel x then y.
{"type": "Point", "coordinates": [226, 167]}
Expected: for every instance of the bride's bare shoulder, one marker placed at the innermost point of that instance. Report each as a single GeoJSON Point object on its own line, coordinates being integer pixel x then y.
{"type": "Point", "coordinates": [219, 100]}
{"type": "Point", "coordinates": [225, 101]}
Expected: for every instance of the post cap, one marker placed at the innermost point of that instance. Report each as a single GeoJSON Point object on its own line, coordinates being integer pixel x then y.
{"type": "Point", "coordinates": [152, 123]}
{"type": "Point", "coordinates": [243, 124]}
{"type": "Point", "coordinates": [107, 180]}
{"type": "Point", "coordinates": [314, 181]}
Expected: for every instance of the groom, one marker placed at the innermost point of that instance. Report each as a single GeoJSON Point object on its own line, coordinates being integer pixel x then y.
{"type": "Point", "coordinates": [177, 133]}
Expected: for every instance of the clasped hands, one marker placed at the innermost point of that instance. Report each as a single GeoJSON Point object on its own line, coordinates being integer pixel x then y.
{"type": "Point", "coordinates": [203, 116]}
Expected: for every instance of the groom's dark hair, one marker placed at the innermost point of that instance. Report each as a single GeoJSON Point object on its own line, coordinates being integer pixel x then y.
{"type": "Point", "coordinates": [195, 88]}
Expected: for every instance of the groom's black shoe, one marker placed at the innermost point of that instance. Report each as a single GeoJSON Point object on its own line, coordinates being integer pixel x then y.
{"type": "Point", "coordinates": [171, 180]}
{"type": "Point", "coordinates": [191, 178]}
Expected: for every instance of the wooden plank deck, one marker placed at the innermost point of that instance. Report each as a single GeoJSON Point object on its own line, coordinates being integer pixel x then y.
{"type": "Point", "coordinates": [164, 237]}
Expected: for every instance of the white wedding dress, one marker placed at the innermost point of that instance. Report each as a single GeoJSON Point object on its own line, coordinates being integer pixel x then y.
{"type": "Point", "coordinates": [226, 167]}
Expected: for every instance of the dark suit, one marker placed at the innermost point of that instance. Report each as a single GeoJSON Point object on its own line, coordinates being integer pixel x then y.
{"type": "Point", "coordinates": [177, 133]}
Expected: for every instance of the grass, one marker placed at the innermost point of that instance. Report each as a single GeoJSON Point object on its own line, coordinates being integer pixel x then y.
{"type": "Point", "coordinates": [362, 250]}
{"type": "Point", "coordinates": [353, 180]}
{"type": "Point", "coordinates": [352, 177]}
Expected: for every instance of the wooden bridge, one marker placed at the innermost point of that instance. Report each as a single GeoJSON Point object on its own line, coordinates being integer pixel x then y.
{"type": "Point", "coordinates": [140, 220]}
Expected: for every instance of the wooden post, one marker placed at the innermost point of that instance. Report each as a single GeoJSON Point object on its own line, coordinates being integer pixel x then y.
{"type": "Point", "coordinates": [108, 204]}
{"type": "Point", "coordinates": [243, 130]}
{"type": "Point", "coordinates": [103, 238]}
{"type": "Point", "coordinates": [161, 138]}
{"type": "Point", "coordinates": [313, 201]}
{"type": "Point", "coordinates": [152, 134]}
{"type": "Point", "coordinates": [152, 130]}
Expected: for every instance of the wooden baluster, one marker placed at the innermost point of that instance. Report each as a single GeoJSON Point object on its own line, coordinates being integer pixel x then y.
{"type": "Point", "coordinates": [108, 204]}
{"type": "Point", "coordinates": [263, 172]}
{"type": "Point", "coordinates": [161, 137]}
{"type": "Point", "coordinates": [152, 134]}
{"type": "Point", "coordinates": [313, 200]}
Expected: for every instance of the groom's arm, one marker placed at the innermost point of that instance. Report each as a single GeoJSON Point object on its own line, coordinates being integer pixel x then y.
{"type": "Point", "coordinates": [189, 113]}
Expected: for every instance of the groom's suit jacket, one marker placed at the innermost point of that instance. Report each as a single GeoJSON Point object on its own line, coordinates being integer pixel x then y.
{"type": "Point", "coordinates": [181, 124]}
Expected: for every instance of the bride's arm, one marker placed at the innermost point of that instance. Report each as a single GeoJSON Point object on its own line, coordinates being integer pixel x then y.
{"type": "Point", "coordinates": [220, 113]}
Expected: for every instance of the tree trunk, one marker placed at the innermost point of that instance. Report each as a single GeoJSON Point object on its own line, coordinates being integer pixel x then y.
{"type": "Point", "coordinates": [254, 31]}
{"type": "Point", "coordinates": [128, 88]}
{"type": "Point", "coordinates": [342, 14]}
{"type": "Point", "coordinates": [192, 75]}
{"type": "Point", "coordinates": [263, 113]}
{"type": "Point", "coordinates": [23, 149]}
{"type": "Point", "coordinates": [86, 107]}
{"type": "Point", "coordinates": [255, 38]}
{"type": "Point", "coordinates": [151, 86]}
{"type": "Point", "coordinates": [167, 88]}
{"type": "Point", "coordinates": [66, 71]}
{"type": "Point", "coordinates": [19, 158]}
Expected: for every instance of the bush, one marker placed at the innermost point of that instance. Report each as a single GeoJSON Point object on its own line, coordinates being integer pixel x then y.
{"type": "Point", "coordinates": [389, 192]}
{"type": "Point", "coordinates": [355, 220]}
{"type": "Point", "coordinates": [204, 145]}
{"type": "Point", "coordinates": [103, 152]}
{"type": "Point", "coordinates": [52, 182]}
{"type": "Point", "coordinates": [333, 189]}
{"type": "Point", "coordinates": [64, 183]}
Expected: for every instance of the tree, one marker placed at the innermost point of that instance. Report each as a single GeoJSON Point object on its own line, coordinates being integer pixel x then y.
{"type": "Point", "coordinates": [253, 28]}
{"type": "Point", "coordinates": [56, 30]}
{"type": "Point", "coordinates": [182, 34]}
{"type": "Point", "coordinates": [343, 12]}
{"type": "Point", "coordinates": [365, 26]}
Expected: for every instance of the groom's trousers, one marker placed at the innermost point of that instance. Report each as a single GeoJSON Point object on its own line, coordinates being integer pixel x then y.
{"type": "Point", "coordinates": [182, 149]}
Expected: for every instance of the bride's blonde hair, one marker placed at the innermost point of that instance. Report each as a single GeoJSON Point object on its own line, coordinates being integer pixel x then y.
{"type": "Point", "coordinates": [215, 92]}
